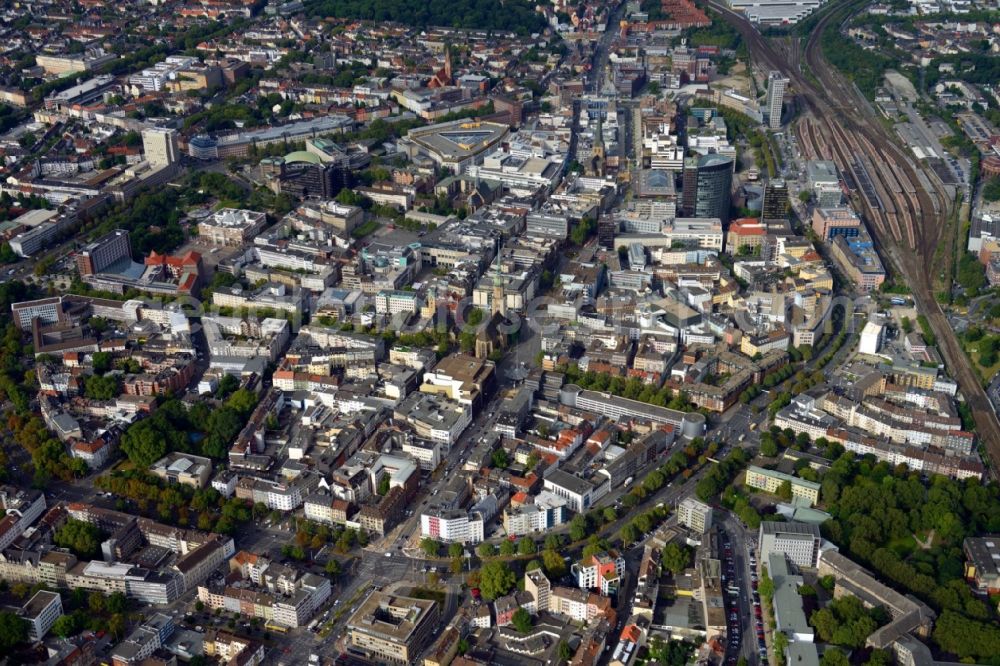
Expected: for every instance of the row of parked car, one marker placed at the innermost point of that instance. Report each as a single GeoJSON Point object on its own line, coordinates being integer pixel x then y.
{"type": "Point", "coordinates": [758, 616]}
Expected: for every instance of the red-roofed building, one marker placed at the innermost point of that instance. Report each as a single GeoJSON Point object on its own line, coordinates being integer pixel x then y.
{"type": "Point", "coordinates": [185, 269]}
{"type": "Point", "coordinates": [745, 236]}
{"type": "Point", "coordinates": [602, 571]}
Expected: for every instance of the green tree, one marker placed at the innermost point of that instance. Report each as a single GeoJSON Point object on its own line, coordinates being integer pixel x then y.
{"type": "Point", "coordinates": [554, 564]}
{"type": "Point", "coordinates": [629, 533]}
{"type": "Point", "coordinates": [97, 387]}
{"type": "Point", "coordinates": [564, 652]}
{"type": "Point", "coordinates": [101, 362]}
{"type": "Point", "coordinates": [116, 625]}
{"type": "Point", "coordinates": [7, 255]}
{"type": "Point", "coordinates": [243, 401]}
{"type": "Point", "coordinates": [98, 325]}
{"type": "Point", "coordinates": [785, 490]}
{"type": "Point", "coordinates": [675, 558]}
{"type": "Point", "coordinates": [66, 626]}
{"type": "Point", "coordinates": [522, 620]}
{"type": "Point", "coordinates": [833, 657]}
{"type": "Point", "coordinates": [496, 579]}
{"type": "Point", "coordinates": [117, 603]}
{"type": "Point", "coordinates": [967, 638]}
{"type": "Point", "coordinates": [880, 658]}
{"type": "Point", "coordinates": [229, 383]}
{"type": "Point", "coordinates": [143, 443]}
{"type": "Point", "coordinates": [508, 548]}
{"type": "Point", "coordinates": [96, 603]}
{"type": "Point", "coordinates": [13, 630]}
{"type": "Point", "coordinates": [526, 546]}
{"type": "Point", "coordinates": [82, 538]}
{"type": "Point", "coordinates": [500, 459]}
{"type": "Point", "coordinates": [578, 529]}
{"type": "Point", "coordinates": [991, 189]}
{"type": "Point", "coordinates": [430, 546]}
{"type": "Point", "coordinates": [844, 621]}
{"type": "Point", "coordinates": [455, 550]}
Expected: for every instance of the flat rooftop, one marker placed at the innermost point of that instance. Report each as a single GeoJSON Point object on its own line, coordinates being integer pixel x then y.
{"type": "Point", "coordinates": [459, 139]}
{"type": "Point", "coordinates": [391, 616]}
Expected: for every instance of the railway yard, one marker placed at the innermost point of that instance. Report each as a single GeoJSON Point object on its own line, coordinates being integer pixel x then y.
{"type": "Point", "coordinates": [907, 207]}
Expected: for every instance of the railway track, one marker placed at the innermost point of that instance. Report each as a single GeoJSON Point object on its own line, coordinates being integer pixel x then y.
{"type": "Point", "coordinates": [909, 210]}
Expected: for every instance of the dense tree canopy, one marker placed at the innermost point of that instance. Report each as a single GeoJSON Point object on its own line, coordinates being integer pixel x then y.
{"type": "Point", "coordinates": [845, 621]}
{"type": "Point", "coordinates": [910, 532]}
{"type": "Point", "coordinates": [968, 638]}
{"type": "Point", "coordinates": [515, 15]}
{"type": "Point", "coordinates": [169, 427]}
{"type": "Point", "coordinates": [82, 538]}
{"type": "Point", "coordinates": [13, 630]}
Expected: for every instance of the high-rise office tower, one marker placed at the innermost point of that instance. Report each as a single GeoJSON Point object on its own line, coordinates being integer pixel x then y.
{"type": "Point", "coordinates": [160, 146]}
{"type": "Point", "coordinates": [689, 186]}
{"type": "Point", "coordinates": [775, 205]}
{"type": "Point", "coordinates": [776, 85]}
{"type": "Point", "coordinates": [607, 228]}
{"type": "Point", "coordinates": [707, 187]}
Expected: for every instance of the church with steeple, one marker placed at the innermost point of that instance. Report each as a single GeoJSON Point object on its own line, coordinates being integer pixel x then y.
{"type": "Point", "coordinates": [492, 338]}
{"type": "Point", "coordinates": [597, 157]}
{"type": "Point", "coordinates": [442, 78]}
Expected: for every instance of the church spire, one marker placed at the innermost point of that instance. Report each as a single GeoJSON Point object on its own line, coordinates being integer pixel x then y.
{"type": "Point", "coordinates": [499, 300]}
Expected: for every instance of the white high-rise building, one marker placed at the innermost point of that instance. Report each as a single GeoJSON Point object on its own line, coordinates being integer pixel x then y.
{"type": "Point", "coordinates": [776, 85]}
{"type": "Point", "coordinates": [160, 146]}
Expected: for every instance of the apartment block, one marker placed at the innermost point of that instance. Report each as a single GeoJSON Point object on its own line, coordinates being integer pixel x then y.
{"type": "Point", "coordinates": [602, 571]}
{"type": "Point", "coordinates": [799, 542]}
{"type": "Point", "coordinates": [770, 481]}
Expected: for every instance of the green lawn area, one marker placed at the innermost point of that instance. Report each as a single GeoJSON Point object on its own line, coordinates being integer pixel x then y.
{"type": "Point", "coordinates": [903, 546]}
{"type": "Point", "coordinates": [367, 228]}
{"type": "Point", "coordinates": [972, 349]}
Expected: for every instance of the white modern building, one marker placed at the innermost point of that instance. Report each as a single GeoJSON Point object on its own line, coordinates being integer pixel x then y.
{"type": "Point", "coordinates": [799, 542]}
{"type": "Point", "coordinates": [776, 85]}
{"type": "Point", "coordinates": [695, 515]}
{"type": "Point", "coordinates": [872, 337]}
{"type": "Point", "coordinates": [160, 146]}
{"type": "Point", "coordinates": [41, 612]}
{"type": "Point", "coordinates": [452, 526]}
{"type": "Point", "coordinates": [390, 302]}
{"type": "Point", "coordinates": [580, 494]}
